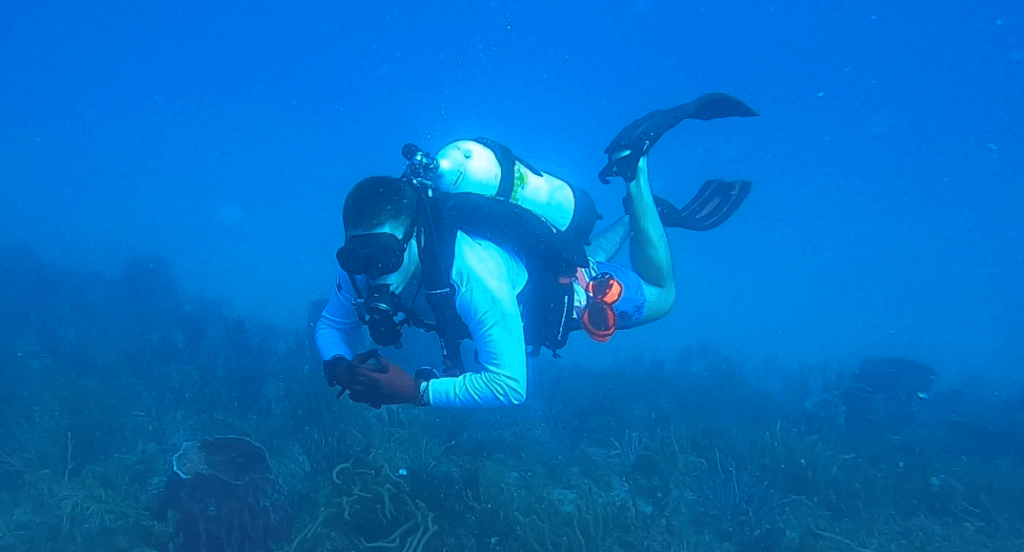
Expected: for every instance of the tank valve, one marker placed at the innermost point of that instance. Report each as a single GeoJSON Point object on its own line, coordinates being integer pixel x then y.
{"type": "Point", "coordinates": [421, 164]}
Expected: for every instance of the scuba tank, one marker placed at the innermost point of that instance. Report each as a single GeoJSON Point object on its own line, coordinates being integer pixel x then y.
{"type": "Point", "coordinates": [468, 166]}
{"type": "Point", "coordinates": [493, 193]}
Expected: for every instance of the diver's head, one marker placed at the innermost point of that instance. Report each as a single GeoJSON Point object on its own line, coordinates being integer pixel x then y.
{"type": "Point", "coordinates": [380, 217]}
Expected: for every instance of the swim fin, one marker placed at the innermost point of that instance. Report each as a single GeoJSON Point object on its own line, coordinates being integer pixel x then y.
{"type": "Point", "coordinates": [715, 202]}
{"type": "Point", "coordinates": [637, 139]}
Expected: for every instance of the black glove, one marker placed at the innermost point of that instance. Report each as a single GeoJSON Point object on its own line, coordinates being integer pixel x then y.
{"type": "Point", "coordinates": [338, 370]}
{"type": "Point", "coordinates": [337, 373]}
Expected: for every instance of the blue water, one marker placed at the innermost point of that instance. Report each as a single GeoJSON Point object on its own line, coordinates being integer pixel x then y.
{"type": "Point", "coordinates": [887, 160]}
{"type": "Point", "coordinates": [172, 176]}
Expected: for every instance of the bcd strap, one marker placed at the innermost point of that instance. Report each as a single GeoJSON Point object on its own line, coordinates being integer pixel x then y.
{"type": "Point", "coordinates": [507, 161]}
{"type": "Point", "coordinates": [447, 322]}
{"type": "Point", "coordinates": [437, 259]}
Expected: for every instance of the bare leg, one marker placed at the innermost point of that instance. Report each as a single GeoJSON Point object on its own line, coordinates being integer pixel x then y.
{"type": "Point", "coordinates": [648, 248]}
{"type": "Point", "coordinates": [607, 243]}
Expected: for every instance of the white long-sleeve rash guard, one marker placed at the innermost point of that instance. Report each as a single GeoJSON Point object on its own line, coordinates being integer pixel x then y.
{"type": "Point", "coordinates": [487, 280]}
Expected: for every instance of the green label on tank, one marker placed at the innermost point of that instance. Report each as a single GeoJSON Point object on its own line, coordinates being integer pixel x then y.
{"type": "Point", "coordinates": [518, 183]}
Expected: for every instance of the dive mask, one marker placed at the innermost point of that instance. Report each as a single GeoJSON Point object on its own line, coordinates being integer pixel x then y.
{"type": "Point", "coordinates": [376, 254]}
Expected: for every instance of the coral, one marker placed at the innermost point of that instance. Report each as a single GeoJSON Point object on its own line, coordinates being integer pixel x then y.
{"type": "Point", "coordinates": [377, 504]}
{"type": "Point", "coordinates": [226, 498]}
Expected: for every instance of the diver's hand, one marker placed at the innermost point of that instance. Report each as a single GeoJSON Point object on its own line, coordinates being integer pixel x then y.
{"type": "Point", "coordinates": [336, 372]}
{"type": "Point", "coordinates": [338, 369]}
{"type": "Point", "coordinates": [383, 383]}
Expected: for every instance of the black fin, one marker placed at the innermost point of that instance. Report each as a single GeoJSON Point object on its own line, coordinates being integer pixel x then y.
{"type": "Point", "coordinates": [637, 139]}
{"type": "Point", "coordinates": [716, 201]}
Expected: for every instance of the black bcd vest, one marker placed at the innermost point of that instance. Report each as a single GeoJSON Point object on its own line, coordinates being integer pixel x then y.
{"type": "Point", "coordinates": [551, 258]}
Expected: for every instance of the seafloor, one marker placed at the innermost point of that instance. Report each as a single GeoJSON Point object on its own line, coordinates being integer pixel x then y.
{"type": "Point", "coordinates": [103, 379]}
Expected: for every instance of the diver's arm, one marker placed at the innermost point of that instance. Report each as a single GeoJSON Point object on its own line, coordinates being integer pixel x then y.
{"type": "Point", "coordinates": [487, 304]}
{"type": "Point", "coordinates": [338, 330]}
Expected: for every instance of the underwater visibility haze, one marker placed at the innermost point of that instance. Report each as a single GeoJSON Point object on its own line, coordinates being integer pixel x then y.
{"type": "Point", "coordinates": [840, 369]}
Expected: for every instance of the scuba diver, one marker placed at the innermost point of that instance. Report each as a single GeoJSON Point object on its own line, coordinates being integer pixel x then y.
{"type": "Point", "coordinates": [477, 244]}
